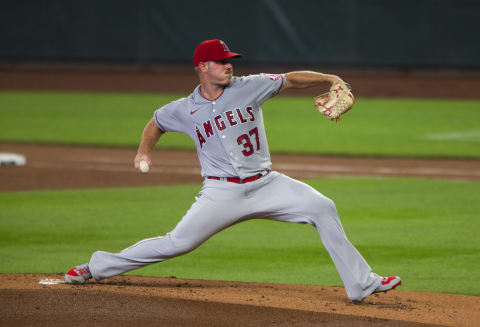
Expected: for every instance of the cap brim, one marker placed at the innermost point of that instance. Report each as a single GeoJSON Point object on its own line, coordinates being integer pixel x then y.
{"type": "Point", "coordinates": [231, 55]}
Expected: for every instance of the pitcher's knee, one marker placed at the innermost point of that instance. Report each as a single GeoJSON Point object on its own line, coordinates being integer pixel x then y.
{"type": "Point", "coordinates": [323, 210]}
{"type": "Point", "coordinates": [321, 204]}
{"type": "Point", "coordinates": [330, 207]}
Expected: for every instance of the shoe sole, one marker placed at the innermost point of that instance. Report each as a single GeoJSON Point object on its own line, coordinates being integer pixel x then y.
{"type": "Point", "coordinates": [69, 280]}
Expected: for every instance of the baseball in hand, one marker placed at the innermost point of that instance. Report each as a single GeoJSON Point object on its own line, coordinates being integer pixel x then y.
{"type": "Point", "coordinates": [144, 167]}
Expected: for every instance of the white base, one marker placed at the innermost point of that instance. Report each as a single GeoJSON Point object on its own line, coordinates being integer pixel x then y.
{"type": "Point", "coordinates": [12, 159]}
{"type": "Point", "coordinates": [52, 281]}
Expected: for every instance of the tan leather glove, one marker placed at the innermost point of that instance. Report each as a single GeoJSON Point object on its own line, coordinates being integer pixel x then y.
{"type": "Point", "coordinates": [336, 102]}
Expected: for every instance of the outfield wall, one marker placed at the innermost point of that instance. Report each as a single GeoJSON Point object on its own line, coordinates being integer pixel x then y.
{"type": "Point", "coordinates": [399, 34]}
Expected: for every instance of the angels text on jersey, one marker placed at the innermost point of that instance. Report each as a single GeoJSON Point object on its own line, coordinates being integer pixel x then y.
{"type": "Point", "coordinates": [229, 119]}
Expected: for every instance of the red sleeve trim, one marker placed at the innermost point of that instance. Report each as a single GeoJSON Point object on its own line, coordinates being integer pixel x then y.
{"type": "Point", "coordinates": [281, 84]}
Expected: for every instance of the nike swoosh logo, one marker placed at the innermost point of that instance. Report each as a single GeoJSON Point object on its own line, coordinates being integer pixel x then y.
{"type": "Point", "coordinates": [194, 111]}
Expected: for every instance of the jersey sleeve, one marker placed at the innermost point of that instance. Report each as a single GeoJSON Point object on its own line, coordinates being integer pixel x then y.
{"type": "Point", "coordinates": [168, 117]}
{"type": "Point", "coordinates": [267, 85]}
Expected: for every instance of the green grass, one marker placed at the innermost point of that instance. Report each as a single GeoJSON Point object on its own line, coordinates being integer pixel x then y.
{"type": "Point", "coordinates": [424, 230]}
{"type": "Point", "coordinates": [77, 118]}
{"type": "Point", "coordinates": [393, 127]}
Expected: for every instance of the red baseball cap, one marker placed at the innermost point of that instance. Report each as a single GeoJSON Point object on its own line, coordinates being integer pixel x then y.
{"type": "Point", "coordinates": [212, 50]}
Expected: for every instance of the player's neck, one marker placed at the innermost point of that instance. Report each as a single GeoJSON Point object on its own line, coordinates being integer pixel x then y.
{"type": "Point", "coordinates": [211, 92]}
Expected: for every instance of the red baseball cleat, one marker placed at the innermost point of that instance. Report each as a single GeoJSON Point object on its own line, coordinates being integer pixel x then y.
{"type": "Point", "coordinates": [78, 274]}
{"type": "Point", "coordinates": [388, 283]}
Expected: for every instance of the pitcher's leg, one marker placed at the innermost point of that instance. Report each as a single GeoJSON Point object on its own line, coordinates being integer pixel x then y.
{"type": "Point", "coordinates": [300, 203]}
{"type": "Point", "coordinates": [205, 218]}
{"type": "Point", "coordinates": [105, 264]}
{"type": "Point", "coordinates": [356, 274]}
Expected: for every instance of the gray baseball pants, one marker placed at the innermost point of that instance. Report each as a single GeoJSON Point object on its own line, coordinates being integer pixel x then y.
{"type": "Point", "coordinates": [221, 204]}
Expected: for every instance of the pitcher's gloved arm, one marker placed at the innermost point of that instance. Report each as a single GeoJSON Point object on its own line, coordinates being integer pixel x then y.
{"type": "Point", "coordinates": [305, 79]}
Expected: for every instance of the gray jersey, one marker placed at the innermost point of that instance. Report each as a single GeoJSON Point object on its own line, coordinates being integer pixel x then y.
{"type": "Point", "coordinates": [228, 132]}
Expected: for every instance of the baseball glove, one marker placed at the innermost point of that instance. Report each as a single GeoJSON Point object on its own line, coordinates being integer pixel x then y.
{"type": "Point", "coordinates": [336, 102]}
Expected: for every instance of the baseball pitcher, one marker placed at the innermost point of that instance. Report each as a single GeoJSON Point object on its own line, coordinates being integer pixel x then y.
{"type": "Point", "coordinates": [223, 116]}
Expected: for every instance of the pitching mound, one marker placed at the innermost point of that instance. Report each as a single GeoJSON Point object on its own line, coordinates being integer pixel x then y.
{"type": "Point", "coordinates": [146, 301]}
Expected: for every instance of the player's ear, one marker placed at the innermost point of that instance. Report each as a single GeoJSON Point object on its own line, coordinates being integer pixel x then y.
{"type": "Point", "coordinates": [203, 66]}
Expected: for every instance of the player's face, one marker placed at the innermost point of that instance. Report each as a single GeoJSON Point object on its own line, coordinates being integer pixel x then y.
{"type": "Point", "coordinates": [220, 72]}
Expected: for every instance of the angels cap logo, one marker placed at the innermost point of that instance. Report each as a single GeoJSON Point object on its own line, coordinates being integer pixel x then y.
{"type": "Point", "coordinates": [225, 47]}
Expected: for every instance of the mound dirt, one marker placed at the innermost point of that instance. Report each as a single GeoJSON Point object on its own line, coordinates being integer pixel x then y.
{"type": "Point", "coordinates": [147, 301]}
